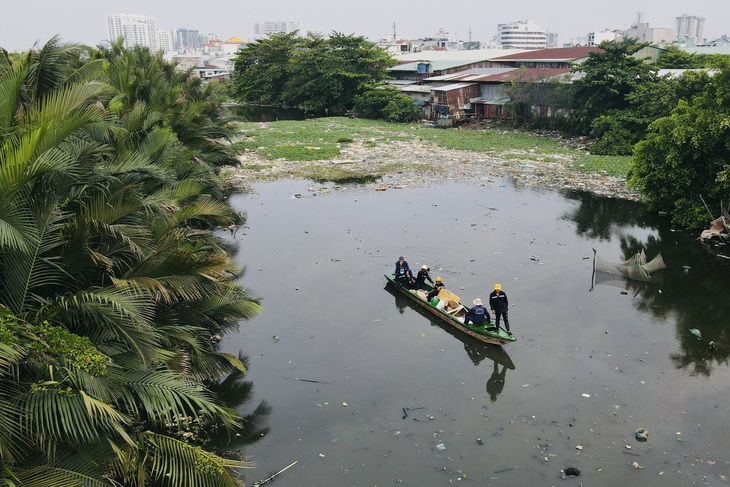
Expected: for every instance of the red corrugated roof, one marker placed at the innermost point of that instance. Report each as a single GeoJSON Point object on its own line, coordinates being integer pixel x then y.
{"type": "Point", "coordinates": [531, 74]}
{"type": "Point", "coordinates": [516, 74]}
{"type": "Point", "coordinates": [555, 53]}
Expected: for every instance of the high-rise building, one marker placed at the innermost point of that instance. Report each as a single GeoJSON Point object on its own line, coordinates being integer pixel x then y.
{"type": "Point", "coordinates": [165, 40]}
{"type": "Point", "coordinates": [521, 35]}
{"type": "Point", "coordinates": [137, 30]}
{"type": "Point", "coordinates": [689, 27]}
{"type": "Point", "coordinates": [187, 39]}
{"type": "Point", "coordinates": [263, 29]}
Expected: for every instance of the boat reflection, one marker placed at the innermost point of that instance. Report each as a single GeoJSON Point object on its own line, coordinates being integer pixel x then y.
{"type": "Point", "coordinates": [476, 350]}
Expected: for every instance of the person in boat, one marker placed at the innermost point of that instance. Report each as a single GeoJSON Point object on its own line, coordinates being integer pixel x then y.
{"type": "Point", "coordinates": [422, 277]}
{"type": "Point", "coordinates": [437, 286]}
{"type": "Point", "coordinates": [478, 314]}
{"type": "Point", "coordinates": [500, 306]}
{"type": "Point", "coordinates": [403, 273]}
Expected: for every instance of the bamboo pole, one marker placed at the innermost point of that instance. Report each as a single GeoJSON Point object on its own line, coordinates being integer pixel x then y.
{"type": "Point", "coordinates": [271, 477]}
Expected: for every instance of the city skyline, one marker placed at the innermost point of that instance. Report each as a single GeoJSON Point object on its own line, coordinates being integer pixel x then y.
{"type": "Point", "coordinates": [83, 21]}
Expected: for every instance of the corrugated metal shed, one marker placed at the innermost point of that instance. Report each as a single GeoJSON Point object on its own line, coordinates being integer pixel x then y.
{"type": "Point", "coordinates": [560, 54]}
{"type": "Point", "coordinates": [454, 86]}
{"type": "Point", "coordinates": [500, 75]}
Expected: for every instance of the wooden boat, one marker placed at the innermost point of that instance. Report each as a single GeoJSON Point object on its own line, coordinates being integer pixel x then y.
{"type": "Point", "coordinates": [451, 311]}
{"type": "Point", "coordinates": [476, 350]}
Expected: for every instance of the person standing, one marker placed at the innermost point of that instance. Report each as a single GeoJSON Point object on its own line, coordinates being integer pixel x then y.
{"type": "Point", "coordinates": [477, 314]}
{"type": "Point", "coordinates": [500, 306]}
{"type": "Point", "coordinates": [422, 277]}
{"type": "Point", "coordinates": [403, 273]}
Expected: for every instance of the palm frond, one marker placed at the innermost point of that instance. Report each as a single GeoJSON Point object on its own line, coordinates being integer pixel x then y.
{"type": "Point", "coordinates": [180, 464]}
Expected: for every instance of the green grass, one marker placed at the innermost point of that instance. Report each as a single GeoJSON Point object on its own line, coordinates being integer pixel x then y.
{"type": "Point", "coordinates": [324, 138]}
{"type": "Point", "coordinates": [617, 166]}
{"type": "Point", "coordinates": [489, 140]}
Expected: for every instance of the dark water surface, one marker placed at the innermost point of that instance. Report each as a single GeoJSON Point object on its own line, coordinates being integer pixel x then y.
{"type": "Point", "coordinates": [588, 369]}
{"type": "Point", "coordinates": [256, 113]}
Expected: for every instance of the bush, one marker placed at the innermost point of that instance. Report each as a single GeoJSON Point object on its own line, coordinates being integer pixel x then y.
{"type": "Point", "coordinates": [387, 103]}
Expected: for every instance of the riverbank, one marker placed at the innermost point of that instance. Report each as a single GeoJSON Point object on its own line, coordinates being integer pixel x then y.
{"type": "Point", "coordinates": [387, 156]}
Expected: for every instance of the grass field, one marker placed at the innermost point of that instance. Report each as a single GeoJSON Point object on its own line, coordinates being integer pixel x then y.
{"type": "Point", "coordinates": [324, 139]}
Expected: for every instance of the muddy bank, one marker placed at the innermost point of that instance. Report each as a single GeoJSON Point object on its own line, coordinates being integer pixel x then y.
{"type": "Point", "coordinates": [400, 164]}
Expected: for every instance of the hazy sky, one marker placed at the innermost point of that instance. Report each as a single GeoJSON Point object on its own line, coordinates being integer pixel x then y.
{"type": "Point", "coordinates": [23, 22]}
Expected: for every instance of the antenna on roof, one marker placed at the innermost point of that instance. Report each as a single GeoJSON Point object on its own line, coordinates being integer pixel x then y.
{"type": "Point", "coordinates": [394, 36]}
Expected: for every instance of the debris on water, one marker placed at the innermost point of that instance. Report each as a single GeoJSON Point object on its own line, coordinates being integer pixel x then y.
{"type": "Point", "coordinates": [636, 465]}
{"type": "Point", "coordinates": [624, 291]}
{"type": "Point", "coordinates": [276, 338]}
{"type": "Point", "coordinates": [480, 441]}
{"type": "Point", "coordinates": [695, 333]}
{"type": "Point", "coordinates": [441, 447]}
{"type": "Point", "coordinates": [712, 345]}
{"type": "Point", "coordinates": [585, 395]}
{"type": "Point", "coordinates": [628, 447]}
{"type": "Point", "coordinates": [579, 447]}
{"type": "Point", "coordinates": [571, 472]}
{"type": "Point", "coordinates": [642, 434]}
{"type": "Point", "coordinates": [344, 404]}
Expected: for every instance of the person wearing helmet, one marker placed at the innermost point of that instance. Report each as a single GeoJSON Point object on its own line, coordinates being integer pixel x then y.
{"type": "Point", "coordinates": [477, 314]}
{"type": "Point", "coordinates": [422, 277]}
{"type": "Point", "coordinates": [500, 306]}
{"type": "Point", "coordinates": [437, 286]}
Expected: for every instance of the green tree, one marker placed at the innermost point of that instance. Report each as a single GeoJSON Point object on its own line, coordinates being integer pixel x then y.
{"type": "Point", "coordinates": [387, 103]}
{"type": "Point", "coordinates": [262, 69]}
{"type": "Point", "coordinates": [112, 283]}
{"type": "Point", "coordinates": [608, 78]}
{"type": "Point", "coordinates": [686, 155]}
{"type": "Point", "coordinates": [321, 74]}
{"type": "Point", "coordinates": [619, 130]}
{"type": "Point", "coordinates": [676, 58]}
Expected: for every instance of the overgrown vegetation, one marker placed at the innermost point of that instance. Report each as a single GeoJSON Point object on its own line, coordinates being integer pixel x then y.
{"type": "Point", "coordinates": [113, 286]}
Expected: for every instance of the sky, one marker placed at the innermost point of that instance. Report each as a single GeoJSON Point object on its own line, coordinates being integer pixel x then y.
{"type": "Point", "coordinates": [25, 22]}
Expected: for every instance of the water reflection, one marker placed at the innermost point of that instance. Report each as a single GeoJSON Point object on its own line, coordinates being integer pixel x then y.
{"type": "Point", "coordinates": [692, 289]}
{"type": "Point", "coordinates": [598, 217]}
{"type": "Point", "coordinates": [476, 351]}
{"type": "Point", "coordinates": [236, 392]}
{"type": "Point", "coordinates": [495, 384]}
{"type": "Point", "coordinates": [256, 113]}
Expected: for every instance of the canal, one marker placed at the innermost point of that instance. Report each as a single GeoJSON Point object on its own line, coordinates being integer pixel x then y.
{"type": "Point", "coordinates": [360, 388]}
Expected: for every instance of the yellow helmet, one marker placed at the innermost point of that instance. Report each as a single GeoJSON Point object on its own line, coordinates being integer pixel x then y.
{"type": "Point", "coordinates": [497, 287]}
{"type": "Point", "coordinates": [438, 278]}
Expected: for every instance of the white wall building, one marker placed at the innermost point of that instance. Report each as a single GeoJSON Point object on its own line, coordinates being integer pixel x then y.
{"type": "Point", "coordinates": [595, 38]}
{"type": "Point", "coordinates": [165, 40]}
{"type": "Point", "coordinates": [137, 30]}
{"type": "Point", "coordinates": [690, 27]}
{"type": "Point", "coordinates": [643, 33]}
{"type": "Point", "coordinates": [521, 35]}
{"type": "Point", "coordinates": [263, 29]}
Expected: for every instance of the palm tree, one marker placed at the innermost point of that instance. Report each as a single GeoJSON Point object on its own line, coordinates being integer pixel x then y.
{"type": "Point", "coordinates": [112, 284]}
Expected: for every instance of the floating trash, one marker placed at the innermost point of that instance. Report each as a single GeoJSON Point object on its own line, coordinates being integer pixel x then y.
{"type": "Point", "coordinates": [571, 472]}
{"type": "Point", "coordinates": [695, 333]}
{"type": "Point", "coordinates": [441, 447]}
{"type": "Point", "coordinates": [642, 434]}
